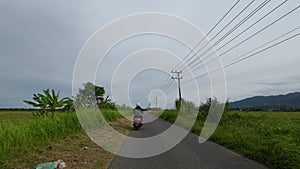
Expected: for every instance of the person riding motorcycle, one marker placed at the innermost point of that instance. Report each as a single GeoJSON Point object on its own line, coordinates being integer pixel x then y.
{"type": "Point", "coordinates": [138, 111]}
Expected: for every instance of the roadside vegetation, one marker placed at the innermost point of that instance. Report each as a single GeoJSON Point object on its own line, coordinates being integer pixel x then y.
{"type": "Point", "coordinates": [270, 138]}
{"type": "Point", "coordinates": [27, 135]}
{"type": "Point", "coordinates": [49, 101]}
{"type": "Point", "coordinates": [31, 137]}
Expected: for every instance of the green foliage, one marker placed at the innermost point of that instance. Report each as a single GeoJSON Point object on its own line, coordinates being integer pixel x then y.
{"type": "Point", "coordinates": [53, 100]}
{"type": "Point", "coordinates": [22, 132]}
{"type": "Point", "coordinates": [30, 133]}
{"type": "Point", "coordinates": [93, 118]}
{"type": "Point", "coordinates": [111, 115]}
{"type": "Point", "coordinates": [41, 101]}
{"type": "Point", "coordinates": [177, 104]}
{"type": "Point", "coordinates": [271, 138]}
{"type": "Point", "coordinates": [204, 107]}
{"type": "Point", "coordinates": [227, 107]}
{"type": "Point", "coordinates": [212, 106]}
{"type": "Point", "coordinates": [185, 106]}
{"type": "Point", "coordinates": [169, 115]}
{"type": "Point", "coordinates": [69, 105]}
{"type": "Point", "coordinates": [106, 104]}
{"type": "Point", "coordinates": [48, 101]}
{"type": "Point", "coordinates": [271, 141]}
{"type": "Point", "coordinates": [90, 95]}
{"type": "Point", "coordinates": [93, 96]}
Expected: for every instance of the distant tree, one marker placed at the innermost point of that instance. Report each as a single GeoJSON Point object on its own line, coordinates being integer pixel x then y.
{"type": "Point", "coordinates": [204, 107]}
{"type": "Point", "coordinates": [227, 107]}
{"type": "Point", "coordinates": [185, 106]}
{"type": "Point", "coordinates": [177, 104]}
{"type": "Point", "coordinates": [212, 105]}
{"type": "Point", "coordinates": [90, 95]}
{"type": "Point", "coordinates": [93, 96]}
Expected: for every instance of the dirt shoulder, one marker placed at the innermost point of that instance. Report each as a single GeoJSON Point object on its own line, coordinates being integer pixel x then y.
{"type": "Point", "coordinates": [78, 151]}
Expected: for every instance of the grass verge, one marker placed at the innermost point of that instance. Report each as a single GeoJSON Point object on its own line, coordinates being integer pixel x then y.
{"type": "Point", "coordinates": [26, 140]}
{"type": "Point", "coordinates": [271, 139]}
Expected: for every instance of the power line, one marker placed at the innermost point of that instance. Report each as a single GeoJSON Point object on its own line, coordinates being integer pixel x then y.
{"type": "Point", "coordinates": [264, 28]}
{"type": "Point", "coordinates": [234, 5]}
{"type": "Point", "coordinates": [169, 84]}
{"type": "Point", "coordinates": [245, 19]}
{"type": "Point", "coordinates": [267, 43]}
{"type": "Point", "coordinates": [257, 47]}
{"type": "Point", "coordinates": [166, 83]}
{"type": "Point", "coordinates": [241, 58]}
{"type": "Point", "coordinates": [274, 9]}
{"type": "Point", "coordinates": [242, 32]}
{"type": "Point", "coordinates": [170, 88]}
{"type": "Point", "coordinates": [249, 4]}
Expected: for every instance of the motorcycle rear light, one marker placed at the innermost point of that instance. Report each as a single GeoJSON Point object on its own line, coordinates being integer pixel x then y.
{"type": "Point", "coordinates": [137, 119]}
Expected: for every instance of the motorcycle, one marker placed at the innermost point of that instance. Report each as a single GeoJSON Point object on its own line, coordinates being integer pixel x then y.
{"type": "Point", "coordinates": [137, 122]}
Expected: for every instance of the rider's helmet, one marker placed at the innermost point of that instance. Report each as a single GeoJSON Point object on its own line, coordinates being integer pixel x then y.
{"type": "Point", "coordinates": [138, 104]}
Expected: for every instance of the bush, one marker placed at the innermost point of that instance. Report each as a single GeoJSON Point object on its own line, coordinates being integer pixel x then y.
{"type": "Point", "coordinates": [169, 115]}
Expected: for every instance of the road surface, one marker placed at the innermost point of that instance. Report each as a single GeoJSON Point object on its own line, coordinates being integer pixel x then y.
{"type": "Point", "coordinates": [188, 154]}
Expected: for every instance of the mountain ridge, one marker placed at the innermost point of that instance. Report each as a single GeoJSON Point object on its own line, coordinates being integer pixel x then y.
{"type": "Point", "coordinates": [290, 101]}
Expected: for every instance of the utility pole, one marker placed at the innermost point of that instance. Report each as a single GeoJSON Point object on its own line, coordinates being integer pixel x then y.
{"type": "Point", "coordinates": [178, 77]}
{"type": "Point", "coordinates": [156, 101]}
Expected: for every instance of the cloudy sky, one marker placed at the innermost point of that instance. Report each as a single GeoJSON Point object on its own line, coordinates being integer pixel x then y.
{"type": "Point", "coordinates": [40, 42]}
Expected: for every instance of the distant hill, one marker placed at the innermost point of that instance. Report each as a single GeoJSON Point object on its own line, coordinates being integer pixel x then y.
{"type": "Point", "coordinates": [289, 101]}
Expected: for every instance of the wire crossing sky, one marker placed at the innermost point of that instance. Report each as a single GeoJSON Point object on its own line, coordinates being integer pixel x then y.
{"type": "Point", "coordinates": [199, 58]}
{"type": "Point", "coordinates": [257, 41]}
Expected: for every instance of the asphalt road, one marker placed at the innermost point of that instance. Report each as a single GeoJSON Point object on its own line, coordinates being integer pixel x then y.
{"type": "Point", "coordinates": [188, 154]}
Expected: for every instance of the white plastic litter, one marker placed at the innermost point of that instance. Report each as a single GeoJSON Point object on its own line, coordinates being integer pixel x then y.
{"type": "Point", "coordinates": [60, 164]}
{"type": "Point", "coordinates": [52, 165]}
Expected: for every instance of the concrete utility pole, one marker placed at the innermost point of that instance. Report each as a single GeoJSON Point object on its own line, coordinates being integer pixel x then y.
{"type": "Point", "coordinates": [178, 77]}
{"type": "Point", "coordinates": [156, 102]}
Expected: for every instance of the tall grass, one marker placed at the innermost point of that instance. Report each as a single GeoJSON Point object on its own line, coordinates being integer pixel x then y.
{"type": "Point", "coordinates": [20, 136]}
{"type": "Point", "coordinates": [35, 132]}
{"type": "Point", "coordinates": [274, 142]}
{"type": "Point", "coordinates": [260, 136]}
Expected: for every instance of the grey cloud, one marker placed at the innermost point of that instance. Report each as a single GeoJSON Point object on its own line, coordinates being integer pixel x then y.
{"type": "Point", "coordinates": [282, 83]}
{"type": "Point", "coordinates": [40, 40]}
{"type": "Point", "coordinates": [287, 81]}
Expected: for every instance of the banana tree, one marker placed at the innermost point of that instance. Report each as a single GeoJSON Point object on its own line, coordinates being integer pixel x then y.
{"type": "Point", "coordinates": [48, 101]}
{"type": "Point", "coordinates": [69, 104]}
{"type": "Point", "coordinates": [41, 101]}
{"type": "Point", "coordinates": [53, 100]}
